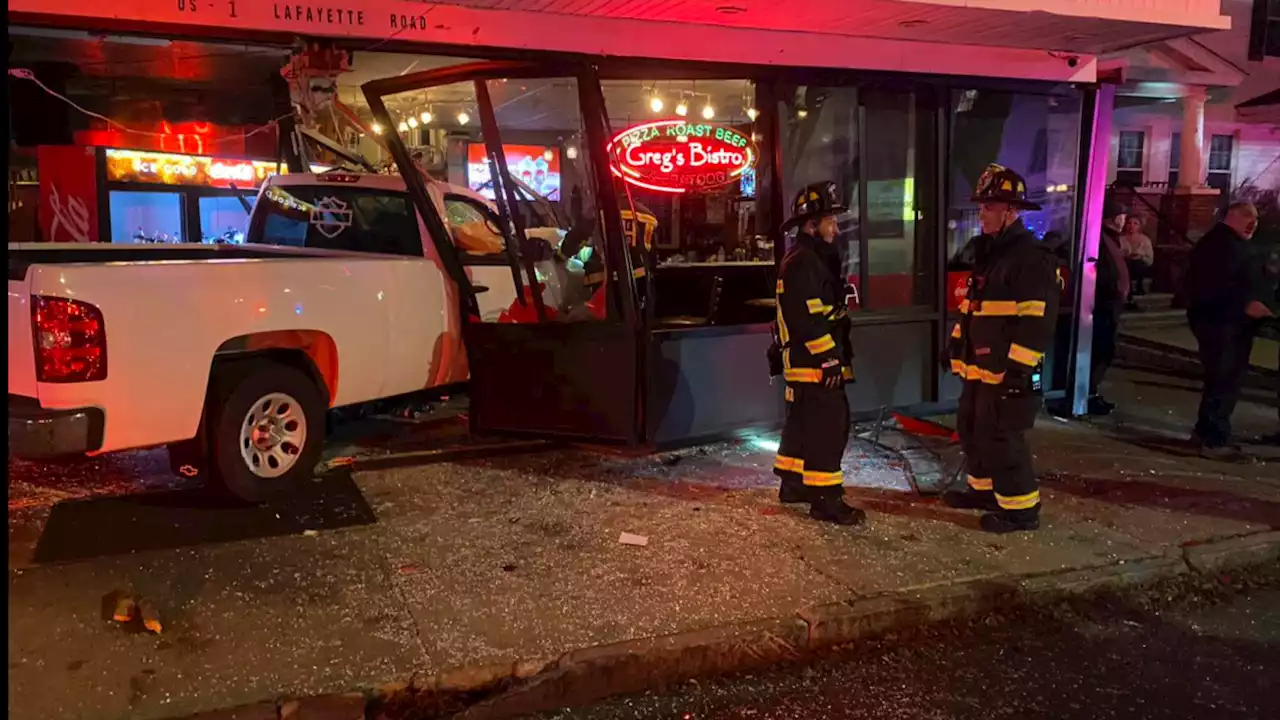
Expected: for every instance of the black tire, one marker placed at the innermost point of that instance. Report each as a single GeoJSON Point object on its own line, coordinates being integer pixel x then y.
{"type": "Point", "coordinates": [235, 390]}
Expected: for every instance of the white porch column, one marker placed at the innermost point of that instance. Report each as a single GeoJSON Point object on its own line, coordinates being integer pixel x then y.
{"type": "Point", "coordinates": [1191, 169]}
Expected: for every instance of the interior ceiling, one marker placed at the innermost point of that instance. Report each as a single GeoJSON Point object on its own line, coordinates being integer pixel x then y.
{"type": "Point", "coordinates": [537, 104]}
{"type": "Point", "coordinates": [119, 57]}
{"type": "Point", "coordinates": [140, 80]}
{"type": "Point", "coordinates": [952, 21]}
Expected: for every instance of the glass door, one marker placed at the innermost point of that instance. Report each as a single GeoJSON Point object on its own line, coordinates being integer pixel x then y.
{"type": "Point", "coordinates": [524, 219]}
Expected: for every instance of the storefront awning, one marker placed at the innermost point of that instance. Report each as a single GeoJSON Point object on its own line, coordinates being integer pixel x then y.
{"type": "Point", "coordinates": [1090, 27]}
{"type": "Point", "coordinates": [1009, 38]}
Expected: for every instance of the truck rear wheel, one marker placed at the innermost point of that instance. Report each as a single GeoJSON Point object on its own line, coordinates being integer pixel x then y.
{"type": "Point", "coordinates": [268, 430]}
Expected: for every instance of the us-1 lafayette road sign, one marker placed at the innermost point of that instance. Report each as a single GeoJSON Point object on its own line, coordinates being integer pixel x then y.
{"type": "Point", "coordinates": [372, 19]}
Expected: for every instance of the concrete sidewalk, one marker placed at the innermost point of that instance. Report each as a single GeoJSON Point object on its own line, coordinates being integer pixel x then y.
{"type": "Point", "coordinates": [461, 572]}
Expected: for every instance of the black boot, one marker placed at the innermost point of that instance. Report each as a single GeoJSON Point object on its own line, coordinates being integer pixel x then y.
{"type": "Point", "coordinates": [971, 500]}
{"type": "Point", "coordinates": [1098, 405]}
{"type": "Point", "coordinates": [828, 506]}
{"type": "Point", "coordinates": [1007, 521]}
{"type": "Point", "coordinates": [792, 490]}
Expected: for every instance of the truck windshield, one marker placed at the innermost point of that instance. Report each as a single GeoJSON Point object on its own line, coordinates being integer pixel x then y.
{"type": "Point", "coordinates": [336, 218]}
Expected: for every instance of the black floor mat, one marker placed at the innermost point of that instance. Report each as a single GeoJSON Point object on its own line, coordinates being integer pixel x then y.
{"type": "Point", "coordinates": [102, 526]}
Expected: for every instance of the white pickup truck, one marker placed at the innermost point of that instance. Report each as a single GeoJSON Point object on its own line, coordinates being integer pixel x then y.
{"type": "Point", "coordinates": [231, 355]}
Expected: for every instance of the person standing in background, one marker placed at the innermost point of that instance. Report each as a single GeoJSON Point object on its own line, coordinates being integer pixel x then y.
{"type": "Point", "coordinates": [1225, 293]}
{"type": "Point", "coordinates": [1110, 292]}
{"type": "Point", "coordinates": [1139, 256]}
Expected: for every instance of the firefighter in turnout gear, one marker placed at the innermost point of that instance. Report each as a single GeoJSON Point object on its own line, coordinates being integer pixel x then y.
{"type": "Point", "coordinates": [812, 345]}
{"type": "Point", "coordinates": [1005, 326]}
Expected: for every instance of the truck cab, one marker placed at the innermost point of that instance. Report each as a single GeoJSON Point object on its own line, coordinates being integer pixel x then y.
{"type": "Point", "coordinates": [372, 213]}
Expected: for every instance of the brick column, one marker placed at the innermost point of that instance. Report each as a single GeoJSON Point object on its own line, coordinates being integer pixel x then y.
{"type": "Point", "coordinates": [1190, 214]}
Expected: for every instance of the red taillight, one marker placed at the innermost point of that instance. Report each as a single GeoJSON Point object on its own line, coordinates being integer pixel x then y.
{"type": "Point", "coordinates": [70, 340]}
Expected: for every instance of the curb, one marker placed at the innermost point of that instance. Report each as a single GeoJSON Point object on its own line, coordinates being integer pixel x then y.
{"type": "Point", "coordinates": [1233, 552]}
{"type": "Point", "coordinates": [587, 675]}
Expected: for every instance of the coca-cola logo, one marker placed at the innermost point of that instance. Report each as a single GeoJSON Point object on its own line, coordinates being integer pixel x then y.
{"type": "Point", "coordinates": [677, 156]}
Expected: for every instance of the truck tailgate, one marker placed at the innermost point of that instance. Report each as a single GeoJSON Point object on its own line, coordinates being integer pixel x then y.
{"type": "Point", "coordinates": [22, 359]}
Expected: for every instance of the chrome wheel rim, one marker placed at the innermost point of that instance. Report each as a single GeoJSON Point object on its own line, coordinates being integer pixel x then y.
{"type": "Point", "coordinates": [272, 435]}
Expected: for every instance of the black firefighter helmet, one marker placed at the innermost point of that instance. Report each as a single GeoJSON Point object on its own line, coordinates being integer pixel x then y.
{"type": "Point", "coordinates": [1000, 184]}
{"type": "Point", "coordinates": [814, 202]}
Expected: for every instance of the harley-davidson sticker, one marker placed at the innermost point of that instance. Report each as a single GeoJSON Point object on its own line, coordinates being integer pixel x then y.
{"type": "Point", "coordinates": [331, 217]}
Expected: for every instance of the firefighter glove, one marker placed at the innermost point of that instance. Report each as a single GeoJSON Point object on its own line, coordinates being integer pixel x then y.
{"type": "Point", "coordinates": [832, 375]}
{"type": "Point", "coordinates": [774, 355]}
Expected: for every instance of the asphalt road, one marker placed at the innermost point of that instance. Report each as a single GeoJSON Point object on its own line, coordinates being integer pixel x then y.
{"type": "Point", "coordinates": [1107, 660]}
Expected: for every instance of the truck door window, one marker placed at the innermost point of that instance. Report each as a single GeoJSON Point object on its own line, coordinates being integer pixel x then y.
{"type": "Point", "coordinates": [352, 219]}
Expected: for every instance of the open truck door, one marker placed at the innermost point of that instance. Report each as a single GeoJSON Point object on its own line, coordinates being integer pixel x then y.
{"type": "Point", "coordinates": [565, 360]}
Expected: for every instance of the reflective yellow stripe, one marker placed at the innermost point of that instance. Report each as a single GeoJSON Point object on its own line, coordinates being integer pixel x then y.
{"type": "Point", "coordinates": [973, 372]}
{"type": "Point", "coordinates": [822, 479]}
{"type": "Point", "coordinates": [838, 314]}
{"type": "Point", "coordinates": [783, 333]}
{"type": "Point", "coordinates": [955, 331]}
{"type": "Point", "coordinates": [786, 358]}
{"type": "Point", "coordinates": [638, 273]}
{"type": "Point", "coordinates": [804, 375]}
{"type": "Point", "coordinates": [964, 306]}
{"type": "Point", "coordinates": [1031, 308]}
{"type": "Point", "coordinates": [593, 278]}
{"type": "Point", "coordinates": [846, 373]}
{"type": "Point", "coordinates": [980, 484]}
{"type": "Point", "coordinates": [816, 307]}
{"type": "Point", "coordinates": [789, 464]}
{"type": "Point", "coordinates": [1018, 502]}
{"type": "Point", "coordinates": [777, 287]}
{"type": "Point", "coordinates": [1026, 356]}
{"type": "Point", "coordinates": [820, 345]}
{"type": "Point", "coordinates": [997, 308]}
{"type": "Point", "coordinates": [789, 395]}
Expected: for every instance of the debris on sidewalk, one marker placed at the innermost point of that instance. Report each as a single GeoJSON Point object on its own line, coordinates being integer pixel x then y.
{"type": "Point", "coordinates": [124, 608]}
{"type": "Point", "coordinates": [150, 616]}
{"type": "Point", "coordinates": [310, 533]}
{"type": "Point", "coordinates": [333, 463]}
{"type": "Point", "coordinates": [629, 539]}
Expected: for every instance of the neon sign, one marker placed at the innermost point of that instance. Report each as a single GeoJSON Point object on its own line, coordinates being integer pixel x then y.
{"type": "Point", "coordinates": [168, 169]}
{"type": "Point", "coordinates": [677, 156]}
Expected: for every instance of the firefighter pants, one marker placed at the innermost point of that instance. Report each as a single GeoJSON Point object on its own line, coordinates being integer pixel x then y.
{"type": "Point", "coordinates": [814, 436]}
{"type": "Point", "coordinates": [993, 432]}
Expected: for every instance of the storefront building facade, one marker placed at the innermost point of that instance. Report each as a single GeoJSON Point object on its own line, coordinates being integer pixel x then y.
{"type": "Point", "coordinates": [698, 127]}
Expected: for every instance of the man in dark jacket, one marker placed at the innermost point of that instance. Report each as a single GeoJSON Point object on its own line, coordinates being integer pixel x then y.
{"type": "Point", "coordinates": [1110, 291]}
{"type": "Point", "coordinates": [810, 328]}
{"type": "Point", "coordinates": [998, 344]}
{"type": "Point", "coordinates": [1223, 284]}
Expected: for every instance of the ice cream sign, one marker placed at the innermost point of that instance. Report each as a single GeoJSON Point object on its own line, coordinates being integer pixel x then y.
{"type": "Point", "coordinates": [678, 156]}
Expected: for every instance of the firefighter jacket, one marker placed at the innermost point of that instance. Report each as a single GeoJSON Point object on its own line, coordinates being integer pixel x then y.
{"type": "Point", "coordinates": [811, 314]}
{"type": "Point", "coordinates": [1006, 321]}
